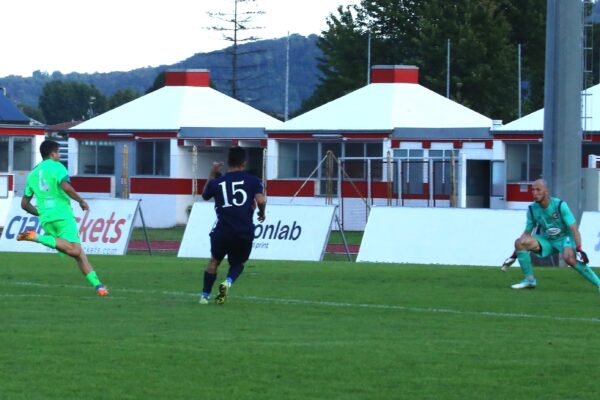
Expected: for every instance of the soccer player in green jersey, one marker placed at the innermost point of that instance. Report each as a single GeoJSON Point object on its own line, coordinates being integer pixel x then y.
{"type": "Point", "coordinates": [556, 232]}
{"type": "Point", "coordinates": [49, 183]}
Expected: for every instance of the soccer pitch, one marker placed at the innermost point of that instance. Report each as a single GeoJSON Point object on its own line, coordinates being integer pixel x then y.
{"type": "Point", "coordinates": [293, 330]}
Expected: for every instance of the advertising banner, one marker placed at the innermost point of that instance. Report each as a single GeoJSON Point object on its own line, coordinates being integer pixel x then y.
{"type": "Point", "coordinates": [104, 229]}
{"type": "Point", "coordinates": [288, 232]}
{"type": "Point", "coordinates": [590, 236]}
{"type": "Point", "coordinates": [448, 236]}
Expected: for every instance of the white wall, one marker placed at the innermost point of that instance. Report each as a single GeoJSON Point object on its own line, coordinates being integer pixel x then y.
{"type": "Point", "coordinates": [163, 210]}
{"type": "Point", "coordinates": [448, 236]}
{"type": "Point", "coordinates": [183, 202]}
{"type": "Point", "coordinates": [206, 157]}
{"type": "Point", "coordinates": [5, 206]}
{"type": "Point", "coordinates": [272, 156]}
{"type": "Point", "coordinates": [73, 146]}
{"type": "Point", "coordinates": [160, 210]}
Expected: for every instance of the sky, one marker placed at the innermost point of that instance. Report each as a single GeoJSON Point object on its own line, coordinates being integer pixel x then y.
{"type": "Point", "coordinates": [120, 35]}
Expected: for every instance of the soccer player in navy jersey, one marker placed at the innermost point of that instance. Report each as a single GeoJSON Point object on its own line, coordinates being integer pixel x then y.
{"type": "Point", "coordinates": [235, 194]}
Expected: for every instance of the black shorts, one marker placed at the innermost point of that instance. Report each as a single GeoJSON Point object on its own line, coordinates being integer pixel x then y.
{"type": "Point", "coordinates": [223, 243]}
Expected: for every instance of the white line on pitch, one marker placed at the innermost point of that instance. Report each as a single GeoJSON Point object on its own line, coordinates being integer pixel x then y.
{"type": "Point", "coordinates": [259, 299]}
{"type": "Point", "coordinates": [418, 309]}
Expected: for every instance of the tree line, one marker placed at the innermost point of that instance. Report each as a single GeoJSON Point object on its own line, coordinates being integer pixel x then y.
{"type": "Point", "coordinates": [484, 36]}
{"type": "Point", "coordinates": [63, 100]}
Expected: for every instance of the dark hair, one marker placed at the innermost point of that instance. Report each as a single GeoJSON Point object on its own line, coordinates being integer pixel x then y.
{"type": "Point", "coordinates": [237, 156]}
{"type": "Point", "coordinates": [47, 147]}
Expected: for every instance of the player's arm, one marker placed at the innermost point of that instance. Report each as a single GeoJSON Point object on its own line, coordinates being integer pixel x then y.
{"type": "Point", "coordinates": [261, 203]}
{"type": "Point", "coordinates": [214, 172]}
{"type": "Point", "coordinates": [27, 206]}
{"type": "Point", "coordinates": [576, 235]}
{"type": "Point", "coordinates": [570, 221]}
{"type": "Point", "coordinates": [70, 191]}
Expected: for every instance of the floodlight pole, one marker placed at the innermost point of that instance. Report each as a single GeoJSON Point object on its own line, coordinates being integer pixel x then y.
{"type": "Point", "coordinates": [287, 78]}
{"type": "Point", "coordinates": [562, 102]}
{"type": "Point", "coordinates": [448, 69]}
{"type": "Point", "coordinates": [368, 57]}
{"type": "Point", "coordinates": [519, 80]}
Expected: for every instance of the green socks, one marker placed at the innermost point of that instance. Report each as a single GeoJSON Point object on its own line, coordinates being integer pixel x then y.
{"type": "Point", "coordinates": [587, 273]}
{"type": "Point", "coordinates": [93, 279]}
{"type": "Point", "coordinates": [46, 240]}
{"type": "Point", "coordinates": [524, 258]}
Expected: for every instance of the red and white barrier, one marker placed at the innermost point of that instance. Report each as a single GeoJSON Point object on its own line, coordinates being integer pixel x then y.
{"type": "Point", "coordinates": [104, 229]}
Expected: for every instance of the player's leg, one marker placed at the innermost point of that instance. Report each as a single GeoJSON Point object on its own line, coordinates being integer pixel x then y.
{"type": "Point", "coordinates": [509, 261]}
{"type": "Point", "coordinates": [218, 250]}
{"type": "Point", "coordinates": [68, 242]}
{"type": "Point", "coordinates": [237, 258]}
{"type": "Point", "coordinates": [239, 251]}
{"type": "Point", "coordinates": [568, 250]}
{"type": "Point", "coordinates": [48, 239]}
{"type": "Point", "coordinates": [524, 246]}
{"type": "Point", "coordinates": [210, 276]}
{"type": "Point", "coordinates": [88, 271]}
{"type": "Point", "coordinates": [51, 237]}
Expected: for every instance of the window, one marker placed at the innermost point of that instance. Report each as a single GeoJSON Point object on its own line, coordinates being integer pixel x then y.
{"type": "Point", "coordinates": [288, 160]}
{"type": "Point", "coordinates": [442, 170]}
{"type": "Point", "coordinates": [358, 169]}
{"type": "Point", "coordinates": [254, 158]}
{"type": "Point", "coordinates": [297, 160]}
{"type": "Point", "coordinates": [3, 154]}
{"type": "Point", "coordinates": [23, 155]}
{"type": "Point", "coordinates": [523, 162]}
{"type": "Point", "coordinates": [375, 150]}
{"type": "Point", "coordinates": [96, 157]}
{"type": "Point", "coordinates": [307, 158]}
{"type": "Point", "coordinates": [413, 170]}
{"type": "Point", "coordinates": [498, 178]}
{"type": "Point", "coordinates": [16, 153]}
{"type": "Point", "coordinates": [336, 150]}
{"type": "Point", "coordinates": [153, 158]}
{"type": "Point", "coordinates": [328, 174]}
{"type": "Point", "coordinates": [3, 187]}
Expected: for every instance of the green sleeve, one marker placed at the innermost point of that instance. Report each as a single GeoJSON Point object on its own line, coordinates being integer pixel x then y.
{"type": "Point", "coordinates": [28, 191]}
{"type": "Point", "coordinates": [567, 215]}
{"type": "Point", "coordinates": [62, 174]}
{"type": "Point", "coordinates": [530, 223]}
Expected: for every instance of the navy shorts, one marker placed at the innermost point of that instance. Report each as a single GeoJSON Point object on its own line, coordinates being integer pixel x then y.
{"type": "Point", "coordinates": [223, 243]}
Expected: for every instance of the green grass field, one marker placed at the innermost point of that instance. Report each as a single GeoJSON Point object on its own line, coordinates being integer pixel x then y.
{"type": "Point", "coordinates": [294, 330]}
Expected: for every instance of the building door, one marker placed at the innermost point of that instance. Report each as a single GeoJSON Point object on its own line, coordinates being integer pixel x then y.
{"type": "Point", "coordinates": [254, 161]}
{"type": "Point", "coordinates": [498, 189]}
{"type": "Point", "coordinates": [478, 183]}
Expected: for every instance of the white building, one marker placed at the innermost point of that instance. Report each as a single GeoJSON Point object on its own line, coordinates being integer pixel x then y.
{"type": "Point", "coordinates": [428, 138]}
{"type": "Point", "coordinates": [20, 139]}
{"type": "Point", "coordinates": [523, 143]}
{"type": "Point", "coordinates": [151, 142]}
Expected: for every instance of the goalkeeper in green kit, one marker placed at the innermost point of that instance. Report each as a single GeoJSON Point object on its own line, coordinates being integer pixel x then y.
{"type": "Point", "coordinates": [49, 183]}
{"type": "Point", "coordinates": [557, 232]}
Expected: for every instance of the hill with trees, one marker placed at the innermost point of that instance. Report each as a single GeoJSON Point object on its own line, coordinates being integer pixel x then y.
{"type": "Point", "coordinates": [263, 86]}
